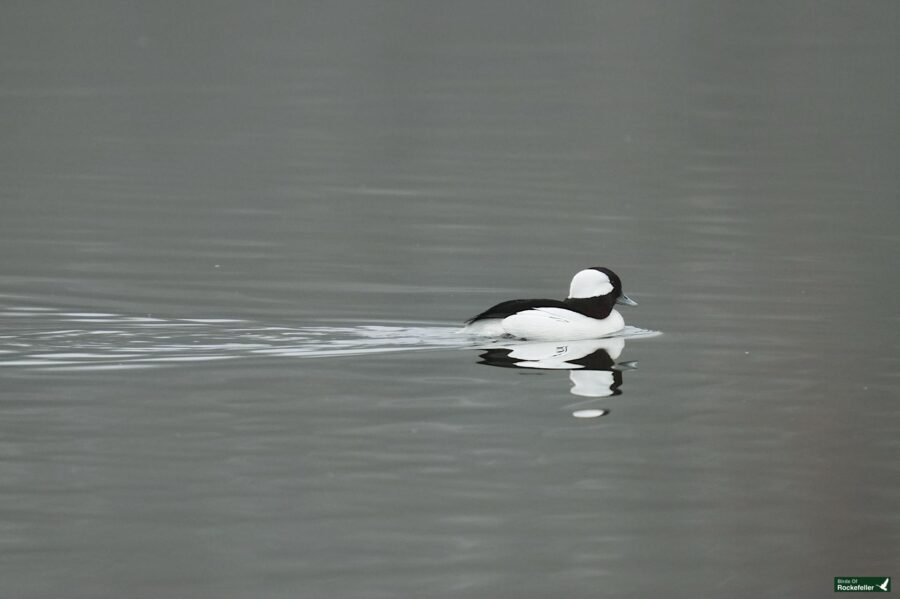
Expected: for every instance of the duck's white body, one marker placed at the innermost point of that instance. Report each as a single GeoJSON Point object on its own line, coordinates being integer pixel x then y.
{"type": "Point", "coordinates": [548, 324]}
{"type": "Point", "coordinates": [587, 312]}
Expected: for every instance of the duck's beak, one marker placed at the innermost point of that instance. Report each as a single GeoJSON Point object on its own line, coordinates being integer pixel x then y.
{"type": "Point", "coordinates": [625, 300]}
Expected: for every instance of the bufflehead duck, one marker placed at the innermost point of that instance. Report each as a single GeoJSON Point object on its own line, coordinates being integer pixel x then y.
{"type": "Point", "coordinates": [586, 314]}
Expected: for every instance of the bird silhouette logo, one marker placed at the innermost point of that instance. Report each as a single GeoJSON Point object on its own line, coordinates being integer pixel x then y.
{"type": "Point", "coordinates": [884, 585]}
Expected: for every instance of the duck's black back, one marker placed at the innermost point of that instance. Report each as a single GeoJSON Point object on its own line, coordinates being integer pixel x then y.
{"type": "Point", "coordinates": [594, 307]}
{"type": "Point", "coordinates": [508, 308]}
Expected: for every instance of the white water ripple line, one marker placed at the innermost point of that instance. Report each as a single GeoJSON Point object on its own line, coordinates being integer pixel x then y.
{"type": "Point", "coordinates": [56, 340]}
{"type": "Point", "coordinates": [71, 340]}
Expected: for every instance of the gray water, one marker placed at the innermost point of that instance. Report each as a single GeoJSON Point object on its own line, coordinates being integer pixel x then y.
{"type": "Point", "coordinates": [236, 242]}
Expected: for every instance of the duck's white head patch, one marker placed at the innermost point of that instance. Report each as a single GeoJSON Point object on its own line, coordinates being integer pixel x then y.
{"type": "Point", "coordinates": [590, 283]}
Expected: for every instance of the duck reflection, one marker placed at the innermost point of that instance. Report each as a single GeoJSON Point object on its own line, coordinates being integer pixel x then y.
{"type": "Point", "coordinates": [592, 364]}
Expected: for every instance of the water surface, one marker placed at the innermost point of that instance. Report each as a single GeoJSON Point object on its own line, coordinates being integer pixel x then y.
{"type": "Point", "coordinates": [202, 208]}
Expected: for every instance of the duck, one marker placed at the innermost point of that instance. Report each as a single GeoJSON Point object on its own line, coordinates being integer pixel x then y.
{"type": "Point", "coordinates": [587, 312]}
